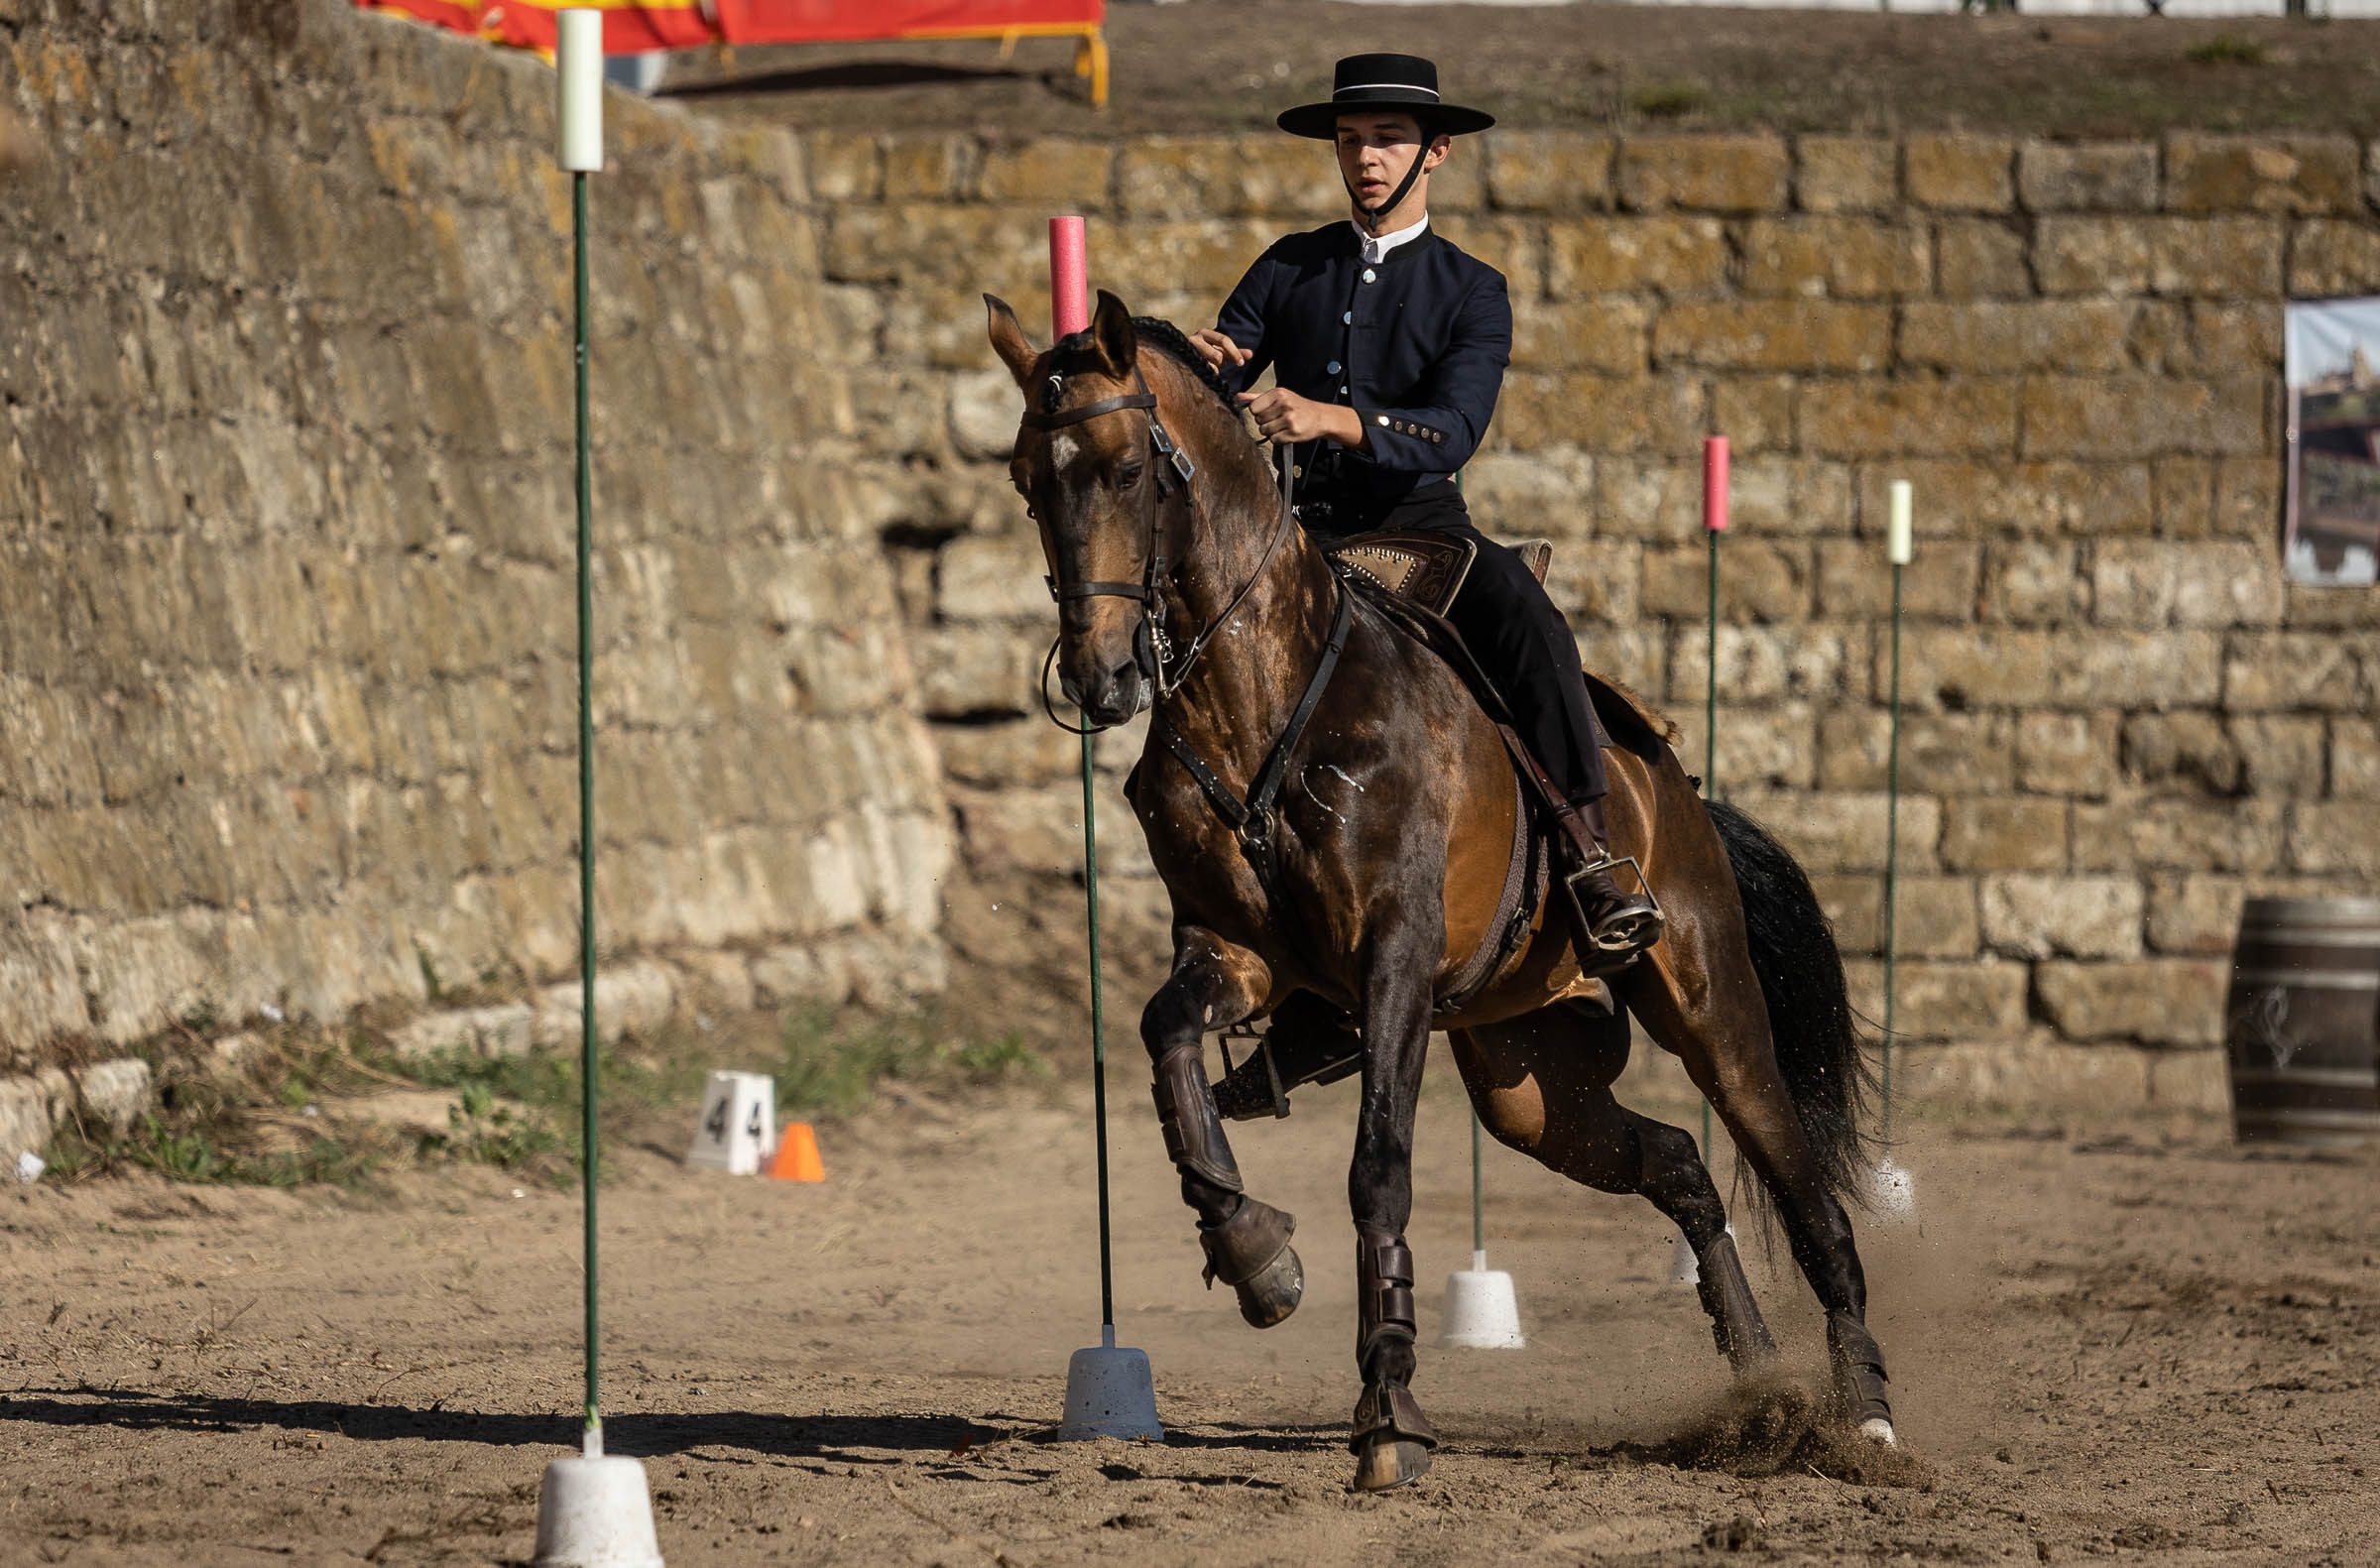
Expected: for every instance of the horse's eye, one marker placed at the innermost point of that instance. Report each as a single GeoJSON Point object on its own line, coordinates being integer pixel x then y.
{"type": "Point", "coordinates": [1127, 476]}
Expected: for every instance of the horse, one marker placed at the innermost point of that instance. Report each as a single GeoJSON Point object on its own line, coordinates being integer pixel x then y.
{"type": "Point", "coordinates": [1333, 814]}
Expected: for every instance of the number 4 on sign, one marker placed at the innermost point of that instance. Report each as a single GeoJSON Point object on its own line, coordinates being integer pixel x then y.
{"type": "Point", "coordinates": [737, 1131]}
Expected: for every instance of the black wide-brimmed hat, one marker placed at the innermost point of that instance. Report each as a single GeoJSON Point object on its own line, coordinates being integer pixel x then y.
{"type": "Point", "coordinates": [1382, 83]}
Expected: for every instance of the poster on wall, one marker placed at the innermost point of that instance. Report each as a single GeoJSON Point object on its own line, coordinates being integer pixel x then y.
{"type": "Point", "coordinates": [2332, 533]}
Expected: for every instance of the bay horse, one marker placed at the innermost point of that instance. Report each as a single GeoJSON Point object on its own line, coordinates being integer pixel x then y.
{"type": "Point", "coordinates": [1335, 841]}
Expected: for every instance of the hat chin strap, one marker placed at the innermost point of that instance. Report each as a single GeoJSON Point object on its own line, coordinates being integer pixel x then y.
{"type": "Point", "coordinates": [1370, 217]}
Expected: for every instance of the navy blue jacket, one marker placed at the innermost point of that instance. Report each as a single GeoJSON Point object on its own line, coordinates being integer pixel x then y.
{"type": "Point", "coordinates": [1417, 344]}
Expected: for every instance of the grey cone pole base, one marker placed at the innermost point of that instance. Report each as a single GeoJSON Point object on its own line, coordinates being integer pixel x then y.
{"type": "Point", "coordinates": [595, 1513]}
{"type": "Point", "coordinates": [1110, 1393]}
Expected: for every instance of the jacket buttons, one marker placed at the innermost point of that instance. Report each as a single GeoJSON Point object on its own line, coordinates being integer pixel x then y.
{"type": "Point", "coordinates": [1347, 318]}
{"type": "Point", "coordinates": [1369, 274]}
{"type": "Point", "coordinates": [1331, 369]}
{"type": "Point", "coordinates": [1381, 418]}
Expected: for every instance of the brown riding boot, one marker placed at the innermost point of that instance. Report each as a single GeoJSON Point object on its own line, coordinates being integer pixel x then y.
{"type": "Point", "coordinates": [1610, 922]}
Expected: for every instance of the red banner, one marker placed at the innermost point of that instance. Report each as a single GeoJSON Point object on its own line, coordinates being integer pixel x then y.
{"type": "Point", "coordinates": [635, 27]}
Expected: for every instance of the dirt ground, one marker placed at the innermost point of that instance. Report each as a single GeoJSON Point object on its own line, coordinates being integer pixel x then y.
{"type": "Point", "coordinates": [1209, 64]}
{"type": "Point", "coordinates": [2132, 1341]}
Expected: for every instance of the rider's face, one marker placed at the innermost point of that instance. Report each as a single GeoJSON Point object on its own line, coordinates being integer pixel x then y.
{"type": "Point", "coordinates": [1375, 151]}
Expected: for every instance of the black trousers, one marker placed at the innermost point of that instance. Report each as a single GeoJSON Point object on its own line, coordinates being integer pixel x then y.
{"type": "Point", "coordinates": [1518, 637]}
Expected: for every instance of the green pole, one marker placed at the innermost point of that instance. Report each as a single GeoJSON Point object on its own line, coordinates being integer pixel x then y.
{"type": "Point", "coordinates": [1099, 1046]}
{"type": "Point", "coordinates": [586, 787]}
{"type": "Point", "coordinates": [1711, 739]}
{"type": "Point", "coordinates": [1478, 1226]}
{"type": "Point", "coordinates": [1892, 844]}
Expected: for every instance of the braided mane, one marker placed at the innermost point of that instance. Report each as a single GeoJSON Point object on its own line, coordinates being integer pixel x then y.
{"type": "Point", "coordinates": [1074, 352]}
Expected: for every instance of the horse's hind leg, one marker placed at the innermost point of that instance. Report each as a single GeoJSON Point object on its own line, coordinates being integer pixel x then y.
{"type": "Point", "coordinates": [1542, 1084]}
{"type": "Point", "coordinates": [1246, 1242]}
{"type": "Point", "coordinates": [1703, 999]}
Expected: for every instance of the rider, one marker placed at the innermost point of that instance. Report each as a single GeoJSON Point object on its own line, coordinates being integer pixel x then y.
{"type": "Point", "coordinates": [1388, 345]}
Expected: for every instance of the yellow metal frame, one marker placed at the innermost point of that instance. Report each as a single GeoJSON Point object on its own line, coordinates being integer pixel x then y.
{"type": "Point", "coordinates": [1090, 50]}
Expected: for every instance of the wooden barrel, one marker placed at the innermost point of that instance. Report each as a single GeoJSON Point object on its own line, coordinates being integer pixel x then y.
{"type": "Point", "coordinates": [2304, 1033]}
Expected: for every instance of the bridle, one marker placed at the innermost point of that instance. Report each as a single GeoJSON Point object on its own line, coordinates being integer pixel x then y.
{"type": "Point", "coordinates": [1152, 648]}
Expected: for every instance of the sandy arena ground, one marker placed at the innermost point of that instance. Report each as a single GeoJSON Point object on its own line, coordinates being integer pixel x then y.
{"type": "Point", "coordinates": [2131, 1342]}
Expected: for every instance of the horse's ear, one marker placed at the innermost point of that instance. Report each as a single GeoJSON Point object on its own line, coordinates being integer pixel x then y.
{"type": "Point", "coordinates": [1111, 334]}
{"type": "Point", "coordinates": [1009, 342]}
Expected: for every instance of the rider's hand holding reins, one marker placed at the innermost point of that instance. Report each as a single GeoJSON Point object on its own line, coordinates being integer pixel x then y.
{"type": "Point", "coordinates": [1285, 418]}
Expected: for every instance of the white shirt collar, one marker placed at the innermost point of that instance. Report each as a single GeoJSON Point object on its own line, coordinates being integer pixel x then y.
{"type": "Point", "coordinates": [1375, 250]}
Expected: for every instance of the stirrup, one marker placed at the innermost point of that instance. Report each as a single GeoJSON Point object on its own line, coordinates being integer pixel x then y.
{"type": "Point", "coordinates": [1264, 1051]}
{"type": "Point", "coordinates": [1634, 934]}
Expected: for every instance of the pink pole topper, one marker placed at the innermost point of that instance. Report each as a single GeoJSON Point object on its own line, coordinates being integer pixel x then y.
{"type": "Point", "coordinates": [1715, 483]}
{"type": "Point", "coordinates": [1069, 299]}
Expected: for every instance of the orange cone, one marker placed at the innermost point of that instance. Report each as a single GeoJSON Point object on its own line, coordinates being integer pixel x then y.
{"type": "Point", "coordinates": [797, 1154]}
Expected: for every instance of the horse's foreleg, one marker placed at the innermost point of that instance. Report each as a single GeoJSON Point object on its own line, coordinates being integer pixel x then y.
{"type": "Point", "coordinates": [1216, 983]}
{"type": "Point", "coordinates": [1391, 1439]}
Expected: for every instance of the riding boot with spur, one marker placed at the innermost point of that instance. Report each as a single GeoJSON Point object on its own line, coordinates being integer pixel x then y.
{"type": "Point", "coordinates": [1608, 921]}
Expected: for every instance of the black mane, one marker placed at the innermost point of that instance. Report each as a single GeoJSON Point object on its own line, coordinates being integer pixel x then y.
{"type": "Point", "coordinates": [1073, 352]}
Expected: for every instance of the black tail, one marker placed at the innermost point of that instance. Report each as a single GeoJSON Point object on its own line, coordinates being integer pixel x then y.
{"type": "Point", "coordinates": [1809, 1010]}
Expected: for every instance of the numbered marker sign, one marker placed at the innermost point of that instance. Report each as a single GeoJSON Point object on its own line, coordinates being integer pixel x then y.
{"type": "Point", "coordinates": [738, 1129]}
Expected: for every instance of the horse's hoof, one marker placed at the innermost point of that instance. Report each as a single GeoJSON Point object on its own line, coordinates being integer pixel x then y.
{"type": "Point", "coordinates": [1391, 1464]}
{"type": "Point", "coordinates": [1274, 1291]}
{"type": "Point", "coordinates": [1878, 1430]}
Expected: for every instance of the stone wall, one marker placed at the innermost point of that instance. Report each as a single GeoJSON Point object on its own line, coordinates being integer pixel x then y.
{"type": "Point", "coordinates": [286, 625]}
{"type": "Point", "coordinates": [2121, 718]}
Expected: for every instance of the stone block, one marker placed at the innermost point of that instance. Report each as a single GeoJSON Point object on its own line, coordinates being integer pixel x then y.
{"type": "Point", "coordinates": [2088, 177]}
{"type": "Point", "coordinates": [1854, 581]}
{"type": "Point", "coordinates": [1784, 496]}
{"type": "Point", "coordinates": [2093, 255]}
{"type": "Point", "coordinates": [1871, 418]}
{"type": "Point", "coordinates": [2247, 503]}
{"type": "Point", "coordinates": [1757, 412]}
{"type": "Point", "coordinates": [2034, 917]}
{"type": "Point", "coordinates": [2232, 338]}
{"type": "Point", "coordinates": [1599, 414]}
{"type": "Point", "coordinates": [1709, 173]}
{"type": "Point", "coordinates": [2068, 754]}
{"type": "Point", "coordinates": [2193, 750]}
{"type": "Point", "coordinates": [932, 165]}
{"type": "Point", "coordinates": [2017, 500]}
{"type": "Point", "coordinates": [1999, 336]}
{"type": "Point", "coordinates": [2297, 175]}
{"type": "Point", "coordinates": [1950, 754]}
{"type": "Point", "coordinates": [2034, 582]}
{"type": "Point", "coordinates": [983, 405]}
{"type": "Point", "coordinates": [977, 672]}
{"type": "Point", "coordinates": [2331, 256]}
{"type": "Point", "coordinates": [1979, 258]}
{"type": "Point", "coordinates": [1548, 493]}
{"type": "Point", "coordinates": [1757, 581]}
{"type": "Point", "coordinates": [1932, 917]}
{"type": "Point", "coordinates": [2171, 1002]}
{"type": "Point", "coordinates": [1032, 829]}
{"type": "Point", "coordinates": [2334, 838]}
{"type": "Point", "coordinates": [1955, 171]}
{"type": "Point", "coordinates": [2280, 754]}
{"type": "Point", "coordinates": [1943, 1001]}
{"type": "Point", "coordinates": [1988, 833]}
{"type": "Point", "coordinates": [2218, 258]}
{"type": "Point", "coordinates": [1202, 177]}
{"type": "Point", "coordinates": [1609, 336]}
{"type": "Point", "coordinates": [632, 1001]}
{"type": "Point", "coordinates": [1675, 257]}
{"type": "Point", "coordinates": [24, 1118]}
{"type": "Point", "coordinates": [1846, 173]}
{"type": "Point", "coordinates": [2177, 835]}
{"type": "Point", "coordinates": [1549, 171]}
{"type": "Point", "coordinates": [1766, 746]}
{"type": "Point", "coordinates": [508, 1029]}
{"type": "Point", "coordinates": [1028, 751]}
{"type": "Point", "coordinates": [981, 577]}
{"type": "Point", "coordinates": [2195, 914]}
{"type": "Point", "coordinates": [1778, 335]}
{"type": "Point", "coordinates": [2143, 416]}
{"type": "Point", "coordinates": [797, 975]}
{"type": "Point", "coordinates": [2294, 670]}
{"type": "Point", "coordinates": [2355, 756]}
{"type": "Point", "coordinates": [1844, 257]}
{"type": "Point", "coordinates": [1598, 586]}
{"type": "Point", "coordinates": [1053, 174]}
{"type": "Point", "coordinates": [845, 166]}
{"type": "Point", "coordinates": [1844, 832]}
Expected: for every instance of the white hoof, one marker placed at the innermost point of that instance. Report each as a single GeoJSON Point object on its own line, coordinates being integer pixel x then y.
{"type": "Point", "coordinates": [1876, 1429]}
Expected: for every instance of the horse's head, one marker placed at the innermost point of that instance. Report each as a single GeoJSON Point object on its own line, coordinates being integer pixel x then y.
{"type": "Point", "coordinates": [1092, 466]}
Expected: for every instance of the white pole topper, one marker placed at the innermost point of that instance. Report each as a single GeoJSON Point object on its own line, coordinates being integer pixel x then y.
{"type": "Point", "coordinates": [578, 91]}
{"type": "Point", "coordinates": [1900, 538]}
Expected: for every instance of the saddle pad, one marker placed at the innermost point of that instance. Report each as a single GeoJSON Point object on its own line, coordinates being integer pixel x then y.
{"type": "Point", "coordinates": [1425, 568]}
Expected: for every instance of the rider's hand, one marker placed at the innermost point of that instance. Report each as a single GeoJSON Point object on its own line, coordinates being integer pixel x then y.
{"type": "Point", "coordinates": [1285, 418]}
{"type": "Point", "coordinates": [1215, 347]}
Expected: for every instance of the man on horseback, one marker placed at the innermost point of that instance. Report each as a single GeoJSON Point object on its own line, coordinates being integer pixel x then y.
{"type": "Point", "coordinates": [1388, 346]}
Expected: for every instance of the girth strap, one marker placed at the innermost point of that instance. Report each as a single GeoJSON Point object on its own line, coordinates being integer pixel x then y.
{"type": "Point", "coordinates": [1251, 819]}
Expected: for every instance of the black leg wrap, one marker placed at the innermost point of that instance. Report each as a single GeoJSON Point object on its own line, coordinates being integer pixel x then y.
{"type": "Point", "coordinates": [1859, 1366]}
{"type": "Point", "coordinates": [1250, 1253]}
{"type": "Point", "coordinates": [1383, 1290]}
{"type": "Point", "coordinates": [1735, 1322]}
{"type": "Point", "coordinates": [1186, 1112]}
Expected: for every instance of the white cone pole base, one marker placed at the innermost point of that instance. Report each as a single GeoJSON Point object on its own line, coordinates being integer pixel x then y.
{"type": "Point", "coordinates": [1893, 1191]}
{"type": "Point", "coordinates": [1110, 1393]}
{"type": "Point", "coordinates": [595, 1513]}
{"type": "Point", "coordinates": [1481, 1313]}
{"type": "Point", "coordinates": [1683, 1267]}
